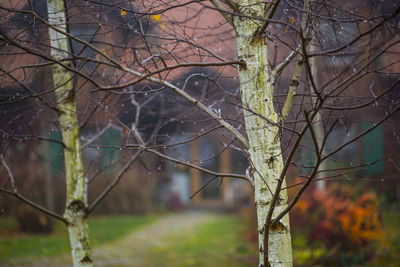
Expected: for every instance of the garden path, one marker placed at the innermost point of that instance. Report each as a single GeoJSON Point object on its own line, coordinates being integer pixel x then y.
{"type": "Point", "coordinates": [133, 249]}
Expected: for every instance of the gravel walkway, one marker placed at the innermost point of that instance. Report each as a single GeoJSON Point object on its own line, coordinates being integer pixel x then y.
{"type": "Point", "coordinates": [133, 249]}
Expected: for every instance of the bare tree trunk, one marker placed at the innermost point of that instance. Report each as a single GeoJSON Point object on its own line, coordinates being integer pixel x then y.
{"type": "Point", "coordinates": [263, 130]}
{"type": "Point", "coordinates": [76, 206]}
{"type": "Point", "coordinates": [318, 120]}
{"type": "Point", "coordinates": [48, 180]}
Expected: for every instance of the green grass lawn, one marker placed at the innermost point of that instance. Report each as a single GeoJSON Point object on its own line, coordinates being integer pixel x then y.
{"type": "Point", "coordinates": [391, 228]}
{"type": "Point", "coordinates": [216, 243]}
{"type": "Point", "coordinates": [102, 230]}
{"type": "Point", "coordinates": [389, 255]}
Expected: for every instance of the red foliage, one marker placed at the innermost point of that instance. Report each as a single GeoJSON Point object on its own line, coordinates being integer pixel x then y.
{"type": "Point", "coordinates": [337, 216]}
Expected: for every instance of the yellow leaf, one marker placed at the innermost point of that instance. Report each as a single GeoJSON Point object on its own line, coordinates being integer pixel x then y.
{"type": "Point", "coordinates": [102, 50]}
{"type": "Point", "coordinates": [291, 19]}
{"type": "Point", "coordinates": [123, 13]}
{"type": "Point", "coordinates": [126, 131]}
{"type": "Point", "coordinates": [156, 17]}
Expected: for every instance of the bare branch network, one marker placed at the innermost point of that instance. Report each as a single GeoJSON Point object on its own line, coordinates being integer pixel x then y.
{"type": "Point", "coordinates": [217, 91]}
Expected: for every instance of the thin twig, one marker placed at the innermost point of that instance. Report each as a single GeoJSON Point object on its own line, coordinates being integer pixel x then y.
{"type": "Point", "coordinates": [203, 186]}
{"type": "Point", "coordinates": [114, 182]}
{"type": "Point", "coordinates": [10, 174]}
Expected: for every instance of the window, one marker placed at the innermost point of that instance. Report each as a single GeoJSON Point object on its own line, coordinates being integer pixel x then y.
{"type": "Point", "coordinates": [56, 154]}
{"type": "Point", "coordinates": [208, 160]}
{"type": "Point", "coordinates": [373, 149]}
{"type": "Point", "coordinates": [111, 141]}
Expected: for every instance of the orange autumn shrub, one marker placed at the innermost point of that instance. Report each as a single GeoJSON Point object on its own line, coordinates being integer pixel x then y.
{"type": "Point", "coordinates": [361, 220]}
{"type": "Point", "coordinates": [337, 216]}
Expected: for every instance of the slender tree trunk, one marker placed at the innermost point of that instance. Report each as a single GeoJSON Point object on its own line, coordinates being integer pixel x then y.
{"type": "Point", "coordinates": [49, 197]}
{"type": "Point", "coordinates": [318, 121]}
{"type": "Point", "coordinates": [263, 131]}
{"type": "Point", "coordinates": [76, 206]}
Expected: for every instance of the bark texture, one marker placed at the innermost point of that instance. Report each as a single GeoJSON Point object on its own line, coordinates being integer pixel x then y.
{"type": "Point", "coordinates": [264, 134]}
{"type": "Point", "coordinates": [76, 206]}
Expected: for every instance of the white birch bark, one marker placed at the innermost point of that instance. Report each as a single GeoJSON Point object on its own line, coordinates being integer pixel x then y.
{"type": "Point", "coordinates": [76, 206]}
{"type": "Point", "coordinates": [262, 127]}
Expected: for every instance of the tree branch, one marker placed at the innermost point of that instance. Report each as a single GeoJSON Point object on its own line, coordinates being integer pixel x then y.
{"type": "Point", "coordinates": [315, 169]}
{"type": "Point", "coordinates": [188, 164]}
{"type": "Point", "coordinates": [12, 180]}
{"type": "Point", "coordinates": [275, 72]}
{"type": "Point", "coordinates": [294, 83]}
{"type": "Point", "coordinates": [270, 11]}
{"type": "Point", "coordinates": [169, 85]}
{"type": "Point", "coordinates": [233, 5]}
{"type": "Point", "coordinates": [114, 182]}
{"type": "Point", "coordinates": [203, 186]}
{"type": "Point", "coordinates": [34, 205]}
{"type": "Point", "coordinates": [222, 10]}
